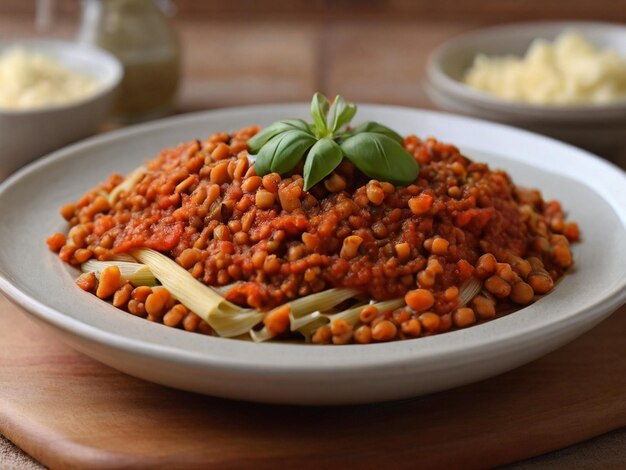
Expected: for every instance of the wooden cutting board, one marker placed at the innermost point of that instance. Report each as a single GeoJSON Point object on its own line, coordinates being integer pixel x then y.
{"type": "Point", "coordinates": [69, 411]}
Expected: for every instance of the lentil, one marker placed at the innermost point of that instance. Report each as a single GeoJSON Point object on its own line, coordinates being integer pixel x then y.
{"type": "Point", "coordinates": [430, 321]}
{"type": "Point", "coordinates": [522, 293]}
{"type": "Point", "coordinates": [277, 321]}
{"type": "Point", "coordinates": [56, 242]}
{"type": "Point", "coordinates": [440, 246]}
{"type": "Point", "coordinates": [122, 296]}
{"type": "Point", "coordinates": [368, 314]}
{"type": "Point", "coordinates": [87, 282]}
{"type": "Point", "coordinates": [191, 322]}
{"type": "Point", "coordinates": [484, 308]}
{"type": "Point", "coordinates": [136, 307]}
{"type": "Point", "coordinates": [541, 282]}
{"type": "Point", "coordinates": [350, 246]}
{"type": "Point", "coordinates": [156, 302]}
{"type": "Point", "coordinates": [322, 335]}
{"type": "Point", "coordinates": [109, 282]}
{"type": "Point", "coordinates": [419, 299]}
{"type": "Point", "coordinates": [412, 328]}
{"type": "Point", "coordinates": [175, 315]}
{"type": "Point", "coordinates": [141, 293]}
{"type": "Point", "coordinates": [498, 286]}
{"type": "Point", "coordinates": [363, 334]}
{"type": "Point", "coordinates": [464, 317]}
{"type": "Point", "coordinates": [384, 331]}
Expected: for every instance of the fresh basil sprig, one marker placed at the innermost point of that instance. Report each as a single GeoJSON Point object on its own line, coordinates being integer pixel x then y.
{"type": "Point", "coordinates": [373, 148]}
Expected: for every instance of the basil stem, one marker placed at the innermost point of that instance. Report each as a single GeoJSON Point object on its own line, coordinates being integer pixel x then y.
{"type": "Point", "coordinates": [259, 140]}
{"type": "Point", "coordinates": [371, 126]}
{"type": "Point", "coordinates": [283, 152]}
{"type": "Point", "coordinates": [319, 110]}
{"type": "Point", "coordinates": [381, 157]}
{"type": "Point", "coordinates": [322, 159]}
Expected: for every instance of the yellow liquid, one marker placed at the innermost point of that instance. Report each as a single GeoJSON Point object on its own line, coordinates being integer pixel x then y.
{"type": "Point", "coordinates": [139, 34]}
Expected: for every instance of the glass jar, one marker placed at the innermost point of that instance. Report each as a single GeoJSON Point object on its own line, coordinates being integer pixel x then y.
{"type": "Point", "coordinates": [140, 35]}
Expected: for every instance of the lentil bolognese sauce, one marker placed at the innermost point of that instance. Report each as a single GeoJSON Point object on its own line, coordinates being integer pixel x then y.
{"type": "Point", "coordinates": [196, 239]}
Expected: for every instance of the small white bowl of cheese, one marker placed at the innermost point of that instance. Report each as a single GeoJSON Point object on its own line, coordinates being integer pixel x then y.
{"type": "Point", "coordinates": [563, 79]}
{"type": "Point", "coordinates": [52, 93]}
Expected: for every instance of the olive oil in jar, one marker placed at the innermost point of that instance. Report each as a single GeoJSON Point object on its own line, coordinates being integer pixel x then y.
{"type": "Point", "coordinates": [139, 34]}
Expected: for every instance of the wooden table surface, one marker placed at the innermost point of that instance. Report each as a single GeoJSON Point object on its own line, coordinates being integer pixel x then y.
{"type": "Point", "coordinates": [230, 60]}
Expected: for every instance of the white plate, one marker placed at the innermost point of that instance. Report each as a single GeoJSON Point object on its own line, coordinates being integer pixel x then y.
{"type": "Point", "coordinates": [591, 190]}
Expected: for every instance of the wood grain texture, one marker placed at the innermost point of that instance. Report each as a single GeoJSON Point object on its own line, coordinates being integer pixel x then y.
{"type": "Point", "coordinates": [68, 411]}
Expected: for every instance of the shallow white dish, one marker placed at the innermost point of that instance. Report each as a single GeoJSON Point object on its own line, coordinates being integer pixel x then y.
{"type": "Point", "coordinates": [601, 128]}
{"type": "Point", "coordinates": [33, 277]}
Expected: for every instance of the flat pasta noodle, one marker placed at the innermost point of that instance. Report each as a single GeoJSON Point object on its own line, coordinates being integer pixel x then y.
{"type": "Point", "coordinates": [128, 184]}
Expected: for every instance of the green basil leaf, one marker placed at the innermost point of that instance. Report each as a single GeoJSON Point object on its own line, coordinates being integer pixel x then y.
{"type": "Point", "coordinates": [335, 110]}
{"type": "Point", "coordinates": [381, 157]}
{"type": "Point", "coordinates": [345, 117]}
{"type": "Point", "coordinates": [260, 139]}
{"type": "Point", "coordinates": [319, 110]}
{"type": "Point", "coordinates": [340, 113]}
{"type": "Point", "coordinates": [283, 152]}
{"type": "Point", "coordinates": [322, 159]}
{"type": "Point", "coordinates": [371, 126]}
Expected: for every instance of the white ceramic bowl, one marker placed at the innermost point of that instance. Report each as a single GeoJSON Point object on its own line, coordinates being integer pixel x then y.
{"type": "Point", "coordinates": [32, 276]}
{"type": "Point", "coordinates": [601, 128]}
{"type": "Point", "coordinates": [28, 134]}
